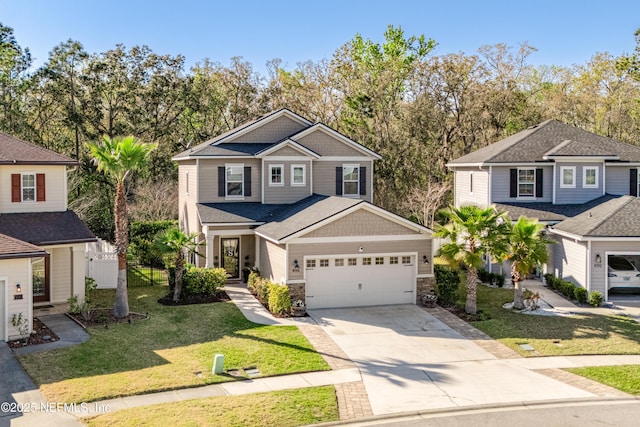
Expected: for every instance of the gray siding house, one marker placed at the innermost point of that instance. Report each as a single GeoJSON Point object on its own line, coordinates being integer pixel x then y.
{"type": "Point", "coordinates": [295, 200]}
{"type": "Point", "coordinates": [582, 185]}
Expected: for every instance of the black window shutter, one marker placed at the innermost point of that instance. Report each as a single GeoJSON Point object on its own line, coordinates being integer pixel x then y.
{"type": "Point", "coordinates": [363, 180]}
{"type": "Point", "coordinates": [222, 177]}
{"type": "Point", "coordinates": [338, 180]}
{"type": "Point", "coordinates": [247, 181]}
{"type": "Point", "coordinates": [539, 182]}
{"type": "Point", "coordinates": [513, 190]}
{"type": "Point", "coordinates": [633, 182]}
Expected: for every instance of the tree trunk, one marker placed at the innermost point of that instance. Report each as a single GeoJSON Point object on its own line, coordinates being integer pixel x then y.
{"type": "Point", "coordinates": [518, 300]}
{"type": "Point", "coordinates": [121, 306]}
{"type": "Point", "coordinates": [179, 267]}
{"type": "Point", "coordinates": [472, 291]}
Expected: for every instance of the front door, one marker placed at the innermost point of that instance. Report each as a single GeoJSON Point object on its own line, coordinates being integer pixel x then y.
{"type": "Point", "coordinates": [231, 256]}
{"type": "Point", "coordinates": [40, 274]}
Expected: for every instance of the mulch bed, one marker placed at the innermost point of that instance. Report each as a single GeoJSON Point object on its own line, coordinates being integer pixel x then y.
{"type": "Point", "coordinates": [104, 316]}
{"type": "Point", "coordinates": [479, 316]}
{"type": "Point", "coordinates": [220, 296]}
{"type": "Point", "coordinates": [40, 332]}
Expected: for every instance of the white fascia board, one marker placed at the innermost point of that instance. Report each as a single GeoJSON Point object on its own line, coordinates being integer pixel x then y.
{"type": "Point", "coordinates": [594, 238]}
{"type": "Point", "coordinates": [230, 224]}
{"type": "Point", "coordinates": [291, 143]}
{"type": "Point", "coordinates": [625, 165]}
{"type": "Point", "coordinates": [581, 159]}
{"type": "Point", "coordinates": [337, 135]}
{"type": "Point", "coordinates": [464, 165]}
{"type": "Point", "coordinates": [565, 234]}
{"type": "Point", "coordinates": [263, 121]}
{"type": "Point", "coordinates": [347, 239]}
{"type": "Point", "coordinates": [269, 238]}
{"type": "Point", "coordinates": [344, 159]}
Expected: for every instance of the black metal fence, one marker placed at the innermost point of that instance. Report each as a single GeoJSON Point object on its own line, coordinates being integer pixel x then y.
{"type": "Point", "coordinates": [143, 275]}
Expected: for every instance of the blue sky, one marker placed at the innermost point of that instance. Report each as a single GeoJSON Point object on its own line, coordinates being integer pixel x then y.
{"type": "Point", "coordinates": [565, 32]}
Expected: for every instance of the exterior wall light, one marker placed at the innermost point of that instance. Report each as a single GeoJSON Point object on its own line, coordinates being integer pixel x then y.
{"type": "Point", "coordinates": [425, 259]}
{"type": "Point", "coordinates": [296, 266]}
{"type": "Point", "coordinates": [18, 288]}
{"type": "Point", "coordinates": [598, 259]}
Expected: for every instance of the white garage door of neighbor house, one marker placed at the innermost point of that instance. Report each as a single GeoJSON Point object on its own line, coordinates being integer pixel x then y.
{"type": "Point", "coordinates": [354, 281]}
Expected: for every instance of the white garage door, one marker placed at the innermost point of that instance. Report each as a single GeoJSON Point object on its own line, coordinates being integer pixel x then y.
{"type": "Point", "coordinates": [354, 281]}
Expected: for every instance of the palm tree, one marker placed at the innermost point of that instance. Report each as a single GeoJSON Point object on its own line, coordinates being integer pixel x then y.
{"type": "Point", "coordinates": [175, 242]}
{"type": "Point", "coordinates": [527, 249]}
{"type": "Point", "coordinates": [117, 158]}
{"type": "Point", "coordinates": [472, 231]}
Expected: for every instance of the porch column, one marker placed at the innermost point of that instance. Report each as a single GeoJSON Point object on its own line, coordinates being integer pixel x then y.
{"type": "Point", "coordinates": [78, 266]}
{"type": "Point", "coordinates": [209, 236]}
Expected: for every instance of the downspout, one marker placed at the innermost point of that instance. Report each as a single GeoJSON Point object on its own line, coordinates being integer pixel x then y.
{"type": "Point", "coordinates": [588, 284]}
{"type": "Point", "coordinates": [604, 178]}
{"type": "Point", "coordinates": [553, 189]}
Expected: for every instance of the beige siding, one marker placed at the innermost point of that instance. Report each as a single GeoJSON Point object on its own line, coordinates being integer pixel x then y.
{"type": "Point", "coordinates": [55, 181]}
{"type": "Point", "coordinates": [288, 151]}
{"type": "Point", "coordinates": [464, 194]}
{"type": "Point", "coordinates": [298, 251]}
{"type": "Point", "coordinates": [273, 131]}
{"type": "Point", "coordinates": [208, 179]}
{"type": "Point", "coordinates": [598, 272]}
{"type": "Point", "coordinates": [286, 193]}
{"type": "Point", "coordinates": [273, 260]}
{"type": "Point", "coordinates": [326, 144]}
{"type": "Point", "coordinates": [15, 271]}
{"type": "Point", "coordinates": [187, 197]}
{"type": "Point", "coordinates": [361, 223]}
{"type": "Point", "coordinates": [570, 261]}
{"type": "Point", "coordinates": [60, 283]}
{"type": "Point", "coordinates": [324, 177]}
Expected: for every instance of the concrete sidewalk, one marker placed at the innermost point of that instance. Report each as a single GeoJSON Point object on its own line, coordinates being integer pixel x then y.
{"type": "Point", "coordinates": [69, 332]}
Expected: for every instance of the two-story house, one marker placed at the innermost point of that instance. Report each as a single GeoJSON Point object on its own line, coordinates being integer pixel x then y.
{"type": "Point", "coordinates": [42, 243]}
{"type": "Point", "coordinates": [294, 199]}
{"type": "Point", "coordinates": [582, 185]}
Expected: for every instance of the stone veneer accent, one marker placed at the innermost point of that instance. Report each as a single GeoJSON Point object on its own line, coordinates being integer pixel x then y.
{"type": "Point", "coordinates": [296, 291]}
{"type": "Point", "coordinates": [424, 286]}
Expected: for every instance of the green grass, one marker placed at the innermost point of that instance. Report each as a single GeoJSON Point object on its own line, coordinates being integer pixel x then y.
{"type": "Point", "coordinates": [173, 349]}
{"type": "Point", "coordinates": [577, 335]}
{"type": "Point", "coordinates": [625, 377]}
{"type": "Point", "coordinates": [281, 408]}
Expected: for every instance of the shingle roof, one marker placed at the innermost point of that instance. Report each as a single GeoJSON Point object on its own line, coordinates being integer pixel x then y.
{"type": "Point", "coordinates": [618, 217]}
{"type": "Point", "coordinates": [532, 144]}
{"type": "Point", "coordinates": [14, 248]}
{"type": "Point", "coordinates": [548, 212]}
{"type": "Point", "coordinates": [16, 151]}
{"type": "Point", "coordinates": [278, 220]}
{"type": "Point", "coordinates": [232, 149]}
{"type": "Point", "coordinates": [46, 228]}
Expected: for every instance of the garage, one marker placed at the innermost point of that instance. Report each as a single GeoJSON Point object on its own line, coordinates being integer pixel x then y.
{"type": "Point", "coordinates": [360, 280]}
{"type": "Point", "coordinates": [623, 276]}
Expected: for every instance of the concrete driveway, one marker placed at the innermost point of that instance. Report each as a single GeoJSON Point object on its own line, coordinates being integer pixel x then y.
{"type": "Point", "coordinates": [409, 361]}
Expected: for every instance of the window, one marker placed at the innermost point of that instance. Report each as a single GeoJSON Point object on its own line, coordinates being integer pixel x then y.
{"type": "Point", "coordinates": [406, 260]}
{"type": "Point", "coordinates": [351, 180]}
{"type": "Point", "coordinates": [352, 261]}
{"type": "Point", "coordinates": [235, 180]}
{"type": "Point", "coordinates": [276, 177]}
{"type": "Point", "coordinates": [379, 260]}
{"type": "Point", "coordinates": [471, 183]}
{"type": "Point", "coordinates": [311, 263]}
{"type": "Point", "coordinates": [324, 263]}
{"type": "Point", "coordinates": [298, 175]}
{"type": "Point", "coordinates": [567, 177]}
{"type": "Point", "coordinates": [393, 260]}
{"type": "Point", "coordinates": [366, 261]}
{"type": "Point", "coordinates": [526, 182]}
{"type": "Point", "coordinates": [339, 262]}
{"type": "Point", "coordinates": [28, 187]}
{"type": "Point", "coordinates": [590, 177]}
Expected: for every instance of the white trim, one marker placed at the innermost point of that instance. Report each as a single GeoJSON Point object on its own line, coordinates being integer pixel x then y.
{"type": "Point", "coordinates": [262, 181]}
{"type": "Point", "coordinates": [234, 232]}
{"type": "Point", "coordinates": [296, 281]}
{"type": "Point", "coordinates": [553, 188]}
{"type": "Point", "coordinates": [346, 239]}
{"type": "Point", "coordinates": [35, 187]}
{"type": "Point", "coordinates": [337, 135]}
{"type": "Point", "coordinates": [229, 224]}
{"type": "Point", "coordinates": [422, 276]}
{"type": "Point", "coordinates": [622, 165]}
{"type": "Point", "coordinates": [270, 175]}
{"type": "Point", "coordinates": [604, 179]}
{"type": "Point", "coordinates": [506, 164]}
{"type": "Point", "coordinates": [186, 181]}
{"type": "Point", "coordinates": [264, 120]}
{"type": "Point", "coordinates": [5, 332]}
{"type": "Point", "coordinates": [288, 142]}
{"type": "Point", "coordinates": [270, 239]}
{"type": "Point", "coordinates": [584, 176]}
{"type": "Point", "coordinates": [287, 159]}
{"type": "Point", "coordinates": [581, 159]}
{"type": "Point", "coordinates": [589, 266]}
{"type": "Point", "coordinates": [593, 239]}
{"type": "Point", "coordinates": [343, 159]}
{"type": "Point", "coordinates": [605, 264]}
{"type": "Point", "coordinates": [471, 183]}
{"type": "Point", "coordinates": [226, 181]}
{"type": "Point", "coordinates": [357, 167]}
{"type": "Point", "coordinates": [573, 176]}
{"type": "Point", "coordinates": [197, 178]}
{"type": "Point", "coordinates": [240, 266]}
{"type": "Point", "coordinates": [310, 178]}
{"type": "Point", "coordinates": [533, 195]}
{"type": "Point", "coordinates": [490, 184]}
{"type": "Point", "coordinates": [304, 175]}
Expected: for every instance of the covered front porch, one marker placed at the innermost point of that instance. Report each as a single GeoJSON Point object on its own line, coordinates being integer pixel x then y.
{"type": "Point", "coordinates": [232, 248]}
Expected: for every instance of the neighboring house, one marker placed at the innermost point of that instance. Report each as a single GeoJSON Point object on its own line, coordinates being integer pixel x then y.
{"type": "Point", "coordinates": [42, 243]}
{"type": "Point", "coordinates": [584, 186]}
{"type": "Point", "coordinates": [294, 199]}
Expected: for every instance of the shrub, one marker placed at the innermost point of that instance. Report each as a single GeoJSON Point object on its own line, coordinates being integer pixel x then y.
{"type": "Point", "coordinates": [549, 280]}
{"type": "Point", "coordinates": [447, 283]}
{"type": "Point", "coordinates": [254, 276]}
{"type": "Point", "coordinates": [491, 278]}
{"type": "Point", "coordinates": [580, 294]}
{"type": "Point", "coordinates": [279, 299]}
{"type": "Point", "coordinates": [141, 237]}
{"type": "Point", "coordinates": [595, 298]}
{"type": "Point", "coordinates": [498, 279]}
{"type": "Point", "coordinates": [203, 280]}
{"type": "Point", "coordinates": [567, 289]}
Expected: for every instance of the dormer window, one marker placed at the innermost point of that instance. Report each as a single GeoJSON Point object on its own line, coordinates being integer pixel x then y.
{"type": "Point", "coordinates": [351, 180]}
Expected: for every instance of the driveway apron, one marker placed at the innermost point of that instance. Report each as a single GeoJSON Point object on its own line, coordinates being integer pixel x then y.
{"type": "Point", "coordinates": [410, 361]}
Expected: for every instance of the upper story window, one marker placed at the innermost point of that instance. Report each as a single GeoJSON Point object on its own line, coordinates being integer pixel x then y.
{"type": "Point", "coordinates": [567, 177]}
{"type": "Point", "coordinates": [526, 182]}
{"type": "Point", "coordinates": [590, 177]}
{"type": "Point", "coordinates": [351, 180]}
{"type": "Point", "coordinates": [28, 187]}
{"type": "Point", "coordinates": [298, 175]}
{"type": "Point", "coordinates": [276, 175]}
{"type": "Point", "coordinates": [235, 180]}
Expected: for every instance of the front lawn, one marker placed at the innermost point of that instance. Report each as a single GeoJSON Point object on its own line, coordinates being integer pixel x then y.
{"type": "Point", "coordinates": [280, 408]}
{"type": "Point", "coordinates": [555, 335]}
{"type": "Point", "coordinates": [173, 349]}
{"type": "Point", "coordinates": [625, 377]}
